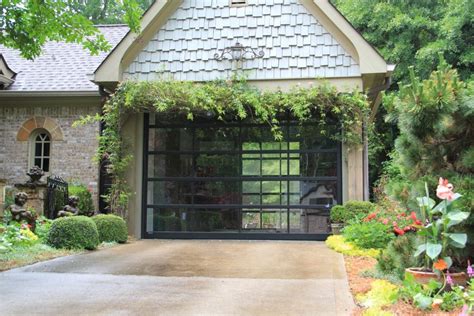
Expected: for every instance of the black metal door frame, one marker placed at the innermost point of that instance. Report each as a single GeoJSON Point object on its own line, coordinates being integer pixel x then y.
{"type": "Point", "coordinates": [225, 235]}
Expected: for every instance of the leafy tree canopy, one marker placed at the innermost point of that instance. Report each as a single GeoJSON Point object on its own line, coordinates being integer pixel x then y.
{"type": "Point", "coordinates": [27, 25]}
{"type": "Point", "coordinates": [415, 32]}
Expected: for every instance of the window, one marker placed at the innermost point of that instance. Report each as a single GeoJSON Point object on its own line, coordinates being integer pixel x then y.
{"type": "Point", "coordinates": [41, 150]}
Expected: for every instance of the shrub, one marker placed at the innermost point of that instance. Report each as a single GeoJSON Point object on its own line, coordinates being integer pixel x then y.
{"type": "Point", "coordinates": [398, 256]}
{"type": "Point", "coordinates": [111, 228]}
{"type": "Point", "coordinates": [73, 232]}
{"type": "Point", "coordinates": [338, 214]}
{"type": "Point", "coordinates": [358, 209]}
{"type": "Point", "coordinates": [339, 244]}
{"type": "Point", "coordinates": [368, 234]}
{"type": "Point", "coordinates": [86, 205]}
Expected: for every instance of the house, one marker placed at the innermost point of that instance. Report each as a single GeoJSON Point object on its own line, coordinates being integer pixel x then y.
{"type": "Point", "coordinates": [205, 179]}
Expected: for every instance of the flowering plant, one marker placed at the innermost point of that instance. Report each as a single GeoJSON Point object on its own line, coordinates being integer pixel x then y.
{"type": "Point", "coordinates": [438, 239]}
{"type": "Point", "coordinates": [402, 222]}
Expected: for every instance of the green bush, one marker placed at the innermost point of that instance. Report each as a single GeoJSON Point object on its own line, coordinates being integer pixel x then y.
{"type": "Point", "coordinates": [398, 256]}
{"type": "Point", "coordinates": [359, 209]}
{"type": "Point", "coordinates": [86, 205]}
{"type": "Point", "coordinates": [111, 228]}
{"type": "Point", "coordinates": [73, 232]}
{"type": "Point", "coordinates": [339, 214]}
{"type": "Point", "coordinates": [368, 234]}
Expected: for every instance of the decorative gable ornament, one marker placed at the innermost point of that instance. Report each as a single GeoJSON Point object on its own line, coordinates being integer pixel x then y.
{"type": "Point", "coordinates": [239, 52]}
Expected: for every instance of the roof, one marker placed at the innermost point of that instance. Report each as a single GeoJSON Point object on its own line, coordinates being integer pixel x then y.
{"type": "Point", "coordinates": [295, 44]}
{"type": "Point", "coordinates": [61, 66]}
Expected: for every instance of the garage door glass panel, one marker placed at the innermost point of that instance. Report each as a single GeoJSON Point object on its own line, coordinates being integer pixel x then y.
{"type": "Point", "coordinates": [209, 176]}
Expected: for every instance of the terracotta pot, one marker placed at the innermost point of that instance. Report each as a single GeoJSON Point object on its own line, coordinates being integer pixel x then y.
{"type": "Point", "coordinates": [423, 277]}
{"type": "Point", "coordinates": [336, 228]}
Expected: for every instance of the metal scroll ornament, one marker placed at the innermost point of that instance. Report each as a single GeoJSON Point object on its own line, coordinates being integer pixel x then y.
{"type": "Point", "coordinates": [238, 52]}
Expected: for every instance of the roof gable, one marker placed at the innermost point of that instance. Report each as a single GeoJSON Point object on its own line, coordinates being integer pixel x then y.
{"type": "Point", "coordinates": [295, 45]}
{"type": "Point", "coordinates": [321, 42]}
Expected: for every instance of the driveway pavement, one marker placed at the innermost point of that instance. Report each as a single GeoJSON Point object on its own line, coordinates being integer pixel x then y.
{"type": "Point", "coordinates": [164, 277]}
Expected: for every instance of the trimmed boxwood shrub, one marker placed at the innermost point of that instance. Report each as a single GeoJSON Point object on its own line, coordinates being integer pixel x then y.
{"type": "Point", "coordinates": [359, 209]}
{"type": "Point", "coordinates": [338, 214]}
{"type": "Point", "coordinates": [74, 232]}
{"type": "Point", "coordinates": [111, 228]}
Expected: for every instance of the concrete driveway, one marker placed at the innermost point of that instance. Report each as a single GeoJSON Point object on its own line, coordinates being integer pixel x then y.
{"type": "Point", "coordinates": [164, 277]}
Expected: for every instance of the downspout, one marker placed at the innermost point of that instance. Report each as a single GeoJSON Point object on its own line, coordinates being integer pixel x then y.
{"type": "Point", "coordinates": [365, 150]}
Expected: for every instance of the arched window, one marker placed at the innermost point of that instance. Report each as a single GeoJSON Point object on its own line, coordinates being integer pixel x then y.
{"type": "Point", "coordinates": [41, 149]}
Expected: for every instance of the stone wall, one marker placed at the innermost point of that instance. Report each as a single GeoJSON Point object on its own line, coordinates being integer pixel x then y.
{"type": "Point", "coordinates": [71, 157]}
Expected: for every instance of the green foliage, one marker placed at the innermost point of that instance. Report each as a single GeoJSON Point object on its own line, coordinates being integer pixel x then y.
{"type": "Point", "coordinates": [339, 244]}
{"type": "Point", "coordinates": [111, 11]}
{"type": "Point", "coordinates": [43, 225]}
{"type": "Point", "coordinates": [74, 232]}
{"type": "Point", "coordinates": [434, 117]}
{"type": "Point", "coordinates": [28, 25]}
{"type": "Point", "coordinates": [86, 204]}
{"type": "Point", "coordinates": [398, 255]}
{"type": "Point", "coordinates": [439, 238]}
{"type": "Point", "coordinates": [415, 32]}
{"type": "Point", "coordinates": [425, 296]}
{"type": "Point", "coordinates": [111, 228]}
{"type": "Point", "coordinates": [368, 234]}
{"type": "Point", "coordinates": [452, 299]}
{"type": "Point", "coordinates": [359, 209]}
{"type": "Point", "coordinates": [14, 235]}
{"type": "Point", "coordinates": [338, 214]}
{"type": "Point", "coordinates": [226, 101]}
{"type": "Point", "coordinates": [382, 293]}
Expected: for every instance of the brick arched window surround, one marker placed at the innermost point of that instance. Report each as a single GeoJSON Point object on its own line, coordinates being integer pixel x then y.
{"type": "Point", "coordinates": [39, 122]}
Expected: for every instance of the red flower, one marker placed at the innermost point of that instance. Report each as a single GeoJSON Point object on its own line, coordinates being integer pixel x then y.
{"type": "Point", "coordinates": [407, 228]}
{"type": "Point", "coordinates": [385, 221]}
{"type": "Point", "coordinates": [371, 216]}
{"type": "Point", "coordinates": [403, 214]}
{"type": "Point", "coordinates": [413, 216]}
{"type": "Point", "coordinates": [445, 190]}
{"type": "Point", "coordinates": [417, 222]}
{"type": "Point", "coordinates": [398, 231]}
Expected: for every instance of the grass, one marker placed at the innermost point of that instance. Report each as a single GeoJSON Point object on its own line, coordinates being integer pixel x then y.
{"type": "Point", "coordinates": [22, 256]}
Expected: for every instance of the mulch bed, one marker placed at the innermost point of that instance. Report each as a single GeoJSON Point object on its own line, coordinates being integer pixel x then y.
{"type": "Point", "coordinates": [359, 285]}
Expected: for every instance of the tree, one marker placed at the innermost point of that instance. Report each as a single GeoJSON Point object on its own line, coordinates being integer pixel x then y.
{"type": "Point", "coordinates": [27, 25]}
{"type": "Point", "coordinates": [415, 32]}
{"type": "Point", "coordinates": [106, 11]}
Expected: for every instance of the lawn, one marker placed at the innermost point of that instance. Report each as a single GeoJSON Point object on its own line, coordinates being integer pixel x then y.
{"type": "Point", "coordinates": [22, 256]}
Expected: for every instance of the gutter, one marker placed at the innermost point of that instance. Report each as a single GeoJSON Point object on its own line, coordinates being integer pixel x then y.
{"type": "Point", "coordinates": [23, 93]}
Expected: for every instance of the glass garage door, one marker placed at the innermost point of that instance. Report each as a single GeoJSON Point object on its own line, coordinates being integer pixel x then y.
{"type": "Point", "coordinates": [211, 179]}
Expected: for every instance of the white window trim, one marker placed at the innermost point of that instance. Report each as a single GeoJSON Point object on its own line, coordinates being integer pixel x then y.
{"type": "Point", "coordinates": [32, 148]}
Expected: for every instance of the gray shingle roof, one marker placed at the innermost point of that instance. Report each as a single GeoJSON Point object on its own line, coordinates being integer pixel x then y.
{"type": "Point", "coordinates": [61, 66]}
{"type": "Point", "coordinates": [295, 44]}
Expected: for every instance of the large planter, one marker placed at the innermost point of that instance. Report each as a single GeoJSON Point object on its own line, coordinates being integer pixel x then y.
{"type": "Point", "coordinates": [423, 277]}
{"type": "Point", "coordinates": [336, 228]}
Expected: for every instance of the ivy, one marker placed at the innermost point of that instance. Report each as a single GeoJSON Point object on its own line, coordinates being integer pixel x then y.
{"type": "Point", "coordinates": [225, 101]}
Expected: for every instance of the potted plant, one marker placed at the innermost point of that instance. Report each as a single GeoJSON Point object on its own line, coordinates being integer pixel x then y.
{"type": "Point", "coordinates": [338, 217]}
{"type": "Point", "coordinates": [438, 240]}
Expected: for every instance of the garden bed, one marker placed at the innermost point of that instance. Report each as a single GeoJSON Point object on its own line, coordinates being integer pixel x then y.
{"type": "Point", "coordinates": [360, 284]}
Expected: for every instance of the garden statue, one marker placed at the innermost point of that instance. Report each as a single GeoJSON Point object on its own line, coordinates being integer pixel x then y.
{"type": "Point", "coordinates": [35, 175]}
{"type": "Point", "coordinates": [71, 208]}
{"type": "Point", "coordinates": [19, 212]}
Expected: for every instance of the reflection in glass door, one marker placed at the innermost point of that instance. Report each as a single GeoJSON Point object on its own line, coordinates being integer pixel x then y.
{"type": "Point", "coordinates": [234, 178]}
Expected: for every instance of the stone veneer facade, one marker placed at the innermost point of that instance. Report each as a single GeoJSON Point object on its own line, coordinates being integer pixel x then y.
{"type": "Point", "coordinates": [71, 157]}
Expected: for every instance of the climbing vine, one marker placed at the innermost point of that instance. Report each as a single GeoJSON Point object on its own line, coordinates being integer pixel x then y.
{"type": "Point", "coordinates": [224, 101]}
